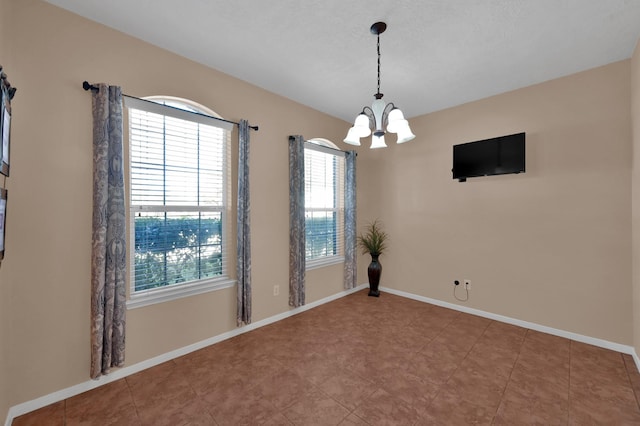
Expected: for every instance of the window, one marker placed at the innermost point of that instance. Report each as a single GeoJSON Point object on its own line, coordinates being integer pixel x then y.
{"type": "Point", "coordinates": [324, 203]}
{"type": "Point", "coordinates": [179, 197]}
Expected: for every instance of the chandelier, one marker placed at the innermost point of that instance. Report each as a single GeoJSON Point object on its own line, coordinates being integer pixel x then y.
{"type": "Point", "coordinates": [379, 116]}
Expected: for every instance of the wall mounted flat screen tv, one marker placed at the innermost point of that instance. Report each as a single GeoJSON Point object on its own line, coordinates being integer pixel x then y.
{"type": "Point", "coordinates": [495, 156]}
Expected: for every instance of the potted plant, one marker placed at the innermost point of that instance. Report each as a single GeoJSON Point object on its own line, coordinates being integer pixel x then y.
{"type": "Point", "coordinates": [374, 242]}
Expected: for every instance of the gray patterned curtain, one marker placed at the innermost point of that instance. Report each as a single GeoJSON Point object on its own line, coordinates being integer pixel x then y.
{"type": "Point", "coordinates": [296, 222]}
{"type": "Point", "coordinates": [244, 228]}
{"type": "Point", "coordinates": [350, 246]}
{"type": "Point", "coordinates": [108, 258]}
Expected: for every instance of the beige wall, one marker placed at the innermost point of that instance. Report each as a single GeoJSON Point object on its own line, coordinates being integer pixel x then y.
{"type": "Point", "coordinates": [551, 246]}
{"type": "Point", "coordinates": [635, 122]}
{"type": "Point", "coordinates": [5, 303]}
{"type": "Point", "coordinates": [47, 267]}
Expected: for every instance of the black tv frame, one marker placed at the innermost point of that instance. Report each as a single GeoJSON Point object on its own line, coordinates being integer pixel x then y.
{"type": "Point", "coordinates": [488, 157]}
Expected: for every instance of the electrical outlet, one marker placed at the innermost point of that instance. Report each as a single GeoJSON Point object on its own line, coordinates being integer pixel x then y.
{"type": "Point", "coordinates": [467, 284]}
{"type": "Point", "coordinates": [276, 290]}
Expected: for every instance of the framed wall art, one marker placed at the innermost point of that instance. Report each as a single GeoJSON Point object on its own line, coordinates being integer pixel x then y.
{"type": "Point", "coordinates": [3, 219]}
{"type": "Point", "coordinates": [5, 117]}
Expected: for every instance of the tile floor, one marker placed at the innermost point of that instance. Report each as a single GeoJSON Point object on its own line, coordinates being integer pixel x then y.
{"type": "Point", "coordinates": [366, 361]}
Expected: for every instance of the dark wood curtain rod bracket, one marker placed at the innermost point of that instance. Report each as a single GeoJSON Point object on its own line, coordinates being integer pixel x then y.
{"type": "Point", "coordinates": [87, 86]}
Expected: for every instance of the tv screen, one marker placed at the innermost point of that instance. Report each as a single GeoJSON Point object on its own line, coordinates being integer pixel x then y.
{"type": "Point", "coordinates": [496, 156]}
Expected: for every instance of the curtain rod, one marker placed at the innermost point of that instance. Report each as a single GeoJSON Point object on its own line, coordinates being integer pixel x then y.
{"type": "Point", "coordinates": [324, 146]}
{"type": "Point", "coordinates": [88, 86]}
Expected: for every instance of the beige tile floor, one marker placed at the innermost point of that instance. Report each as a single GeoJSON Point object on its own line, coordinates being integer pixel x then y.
{"type": "Point", "coordinates": [366, 361]}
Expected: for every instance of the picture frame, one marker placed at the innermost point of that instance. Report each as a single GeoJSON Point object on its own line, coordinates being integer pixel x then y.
{"type": "Point", "coordinates": [5, 126]}
{"type": "Point", "coordinates": [3, 220]}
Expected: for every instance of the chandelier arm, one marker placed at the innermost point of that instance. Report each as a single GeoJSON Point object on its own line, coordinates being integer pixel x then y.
{"type": "Point", "coordinates": [385, 114]}
{"type": "Point", "coordinates": [369, 113]}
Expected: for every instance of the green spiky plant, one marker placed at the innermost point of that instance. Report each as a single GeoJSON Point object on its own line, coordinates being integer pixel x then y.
{"type": "Point", "coordinates": [373, 240]}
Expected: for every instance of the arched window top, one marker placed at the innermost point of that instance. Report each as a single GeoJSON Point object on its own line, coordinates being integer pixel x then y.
{"type": "Point", "coordinates": [181, 103]}
{"type": "Point", "coordinates": [323, 142]}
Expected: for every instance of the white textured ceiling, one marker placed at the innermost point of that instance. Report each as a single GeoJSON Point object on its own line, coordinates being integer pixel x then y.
{"type": "Point", "coordinates": [435, 53]}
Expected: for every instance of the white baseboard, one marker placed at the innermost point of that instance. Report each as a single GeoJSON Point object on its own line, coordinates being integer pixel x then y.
{"type": "Point", "coordinates": [27, 407]}
{"type": "Point", "coordinates": [69, 392]}
{"type": "Point", "coordinates": [626, 349]}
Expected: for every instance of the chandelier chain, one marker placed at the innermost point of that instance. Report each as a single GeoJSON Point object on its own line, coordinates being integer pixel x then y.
{"type": "Point", "coordinates": [378, 63]}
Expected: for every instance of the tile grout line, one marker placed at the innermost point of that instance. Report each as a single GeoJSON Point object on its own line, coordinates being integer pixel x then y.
{"type": "Point", "coordinates": [495, 416]}
{"type": "Point", "coordinates": [571, 343]}
{"type": "Point", "coordinates": [441, 386]}
{"type": "Point", "coordinates": [626, 368]}
{"type": "Point", "coordinates": [133, 400]}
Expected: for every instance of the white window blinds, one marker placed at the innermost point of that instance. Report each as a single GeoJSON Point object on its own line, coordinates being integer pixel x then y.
{"type": "Point", "coordinates": [324, 203]}
{"type": "Point", "coordinates": [179, 175]}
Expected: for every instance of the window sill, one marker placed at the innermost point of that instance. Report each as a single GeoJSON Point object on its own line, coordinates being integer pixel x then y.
{"type": "Point", "coordinates": [319, 263]}
{"type": "Point", "coordinates": [161, 295]}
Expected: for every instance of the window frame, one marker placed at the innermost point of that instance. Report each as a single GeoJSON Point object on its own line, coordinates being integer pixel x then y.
{"type": "Point", "coordinates": [202, 115]}
{"type": "Point", "coordinates": [327, 147]}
